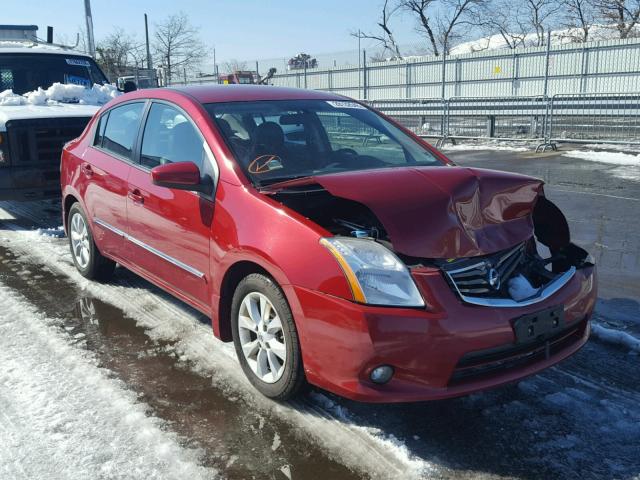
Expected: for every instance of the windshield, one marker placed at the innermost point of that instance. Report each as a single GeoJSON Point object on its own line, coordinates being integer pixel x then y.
{"type": "Point", "coordinates": [285, 139]}
{"type": "Point", "coordinates": [24, 73]}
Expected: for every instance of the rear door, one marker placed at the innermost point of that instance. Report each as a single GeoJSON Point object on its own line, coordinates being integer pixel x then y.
{"type": "Point", "coordinates": [169, 230]}
{"type": "Point", "coordinates": [106, 169]}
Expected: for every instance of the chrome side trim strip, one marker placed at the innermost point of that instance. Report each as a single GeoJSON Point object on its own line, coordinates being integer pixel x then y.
{"type": "Point", "coordinates": [156, 252]}
{"type": "Point", "coordinates": [118, 232]}
{"type": "Point", "coordinates": [544, 293]}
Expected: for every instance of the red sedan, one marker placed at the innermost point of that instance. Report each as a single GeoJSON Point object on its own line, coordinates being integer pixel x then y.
{"type": "Point", "coordinates": [330, 244]}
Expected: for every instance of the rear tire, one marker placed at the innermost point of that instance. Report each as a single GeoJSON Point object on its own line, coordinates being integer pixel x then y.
{"type": "Point", "coordinates": [266, 339]}
{"type": "Point", "coordinates": [87, 258]}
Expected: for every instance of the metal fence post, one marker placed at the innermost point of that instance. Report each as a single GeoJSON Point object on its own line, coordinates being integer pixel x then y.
{"type": "Point", "coordinates": [585, 69]}
{"type": "Point", "coordinates": [364, 74]}
{"type": "Point", "coordinates": [444, 71]}
{"type": "Point", "coordinates": [515, 72]}
{"type": "Point", "coordinates": [547, 126]}
{"type": "Point", "coordinates": [305, 74]}
{"type": "Point", "coordinates": [546, 65]}
{"type": "Point", "coordinates": [407, 74]}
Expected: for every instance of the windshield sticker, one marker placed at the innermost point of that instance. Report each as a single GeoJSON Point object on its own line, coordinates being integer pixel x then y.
{"type": "Point", "coordinates": [265, 163]}
{"type": "Point", "coordinates": [78, 61]}
{"type": "Point", "coordinates": [75, 80]}
{"type": "Point", "coordinates": [345, 104]}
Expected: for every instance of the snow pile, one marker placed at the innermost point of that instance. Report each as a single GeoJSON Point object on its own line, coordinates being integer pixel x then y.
{"type": "Point", "coordinates": [558, 37]}
{"type": "Point", "coordinates": [520, 288]}
{"type": "Point", "coordinates": [10, 99]}
{"type": "Point", "coordinates": [615, 337]}
{"type": "Point", "coordinates": [63, 416]}
{"type": "Point", "coordinates": [611, 158]}
{"type": "Point", "coordinates": [496, 146]}
{"type": "Point", "coordinates": [61, 93]}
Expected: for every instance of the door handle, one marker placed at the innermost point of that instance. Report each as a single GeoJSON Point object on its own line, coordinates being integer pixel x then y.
{"type": "Point", "coordinates": [87, 170]}
{"type": "Point", "coordinates": [136, 196]}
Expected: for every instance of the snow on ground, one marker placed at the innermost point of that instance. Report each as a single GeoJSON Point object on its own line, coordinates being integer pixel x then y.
{"type": "Point", "coordinates": [63, 417]}
{"type": "Point", "coordinates": [616, 337]}
{"type": "Point", "coordinates": [611, 158]}
{"type": "Point", "coordinates": [627, 165]}
{"type": "Point", "coordinates": [164, 319]}
{"type": "Point", "coordinates": [61, 93]}
{"type": "Point", "coordinates": [499, 146]}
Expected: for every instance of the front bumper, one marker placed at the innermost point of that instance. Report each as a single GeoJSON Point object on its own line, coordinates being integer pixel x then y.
{"type": "Point", "coordinates": [447, 350]}
{"type": "Point", "coordinates": [29, 183]}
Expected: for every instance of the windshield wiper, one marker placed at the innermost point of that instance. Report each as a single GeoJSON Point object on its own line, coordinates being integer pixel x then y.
{"type": "Point", "coordinates": [275, 180]}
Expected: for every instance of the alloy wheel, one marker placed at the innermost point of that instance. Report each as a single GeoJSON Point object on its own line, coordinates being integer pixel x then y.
{"type": "Point", "coordinates": [261, 337]}
{"type": "Point", "coordinates": [80, 241]}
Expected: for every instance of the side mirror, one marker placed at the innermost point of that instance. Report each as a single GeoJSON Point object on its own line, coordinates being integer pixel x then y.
{"type": "Point", "coordinates": [181, 176]}
{"type": "Point", "coordinates": [129, 86]}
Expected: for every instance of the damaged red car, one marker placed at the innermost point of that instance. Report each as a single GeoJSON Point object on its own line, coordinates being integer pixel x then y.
{"type": "Point", "coordinates": [329, 243]}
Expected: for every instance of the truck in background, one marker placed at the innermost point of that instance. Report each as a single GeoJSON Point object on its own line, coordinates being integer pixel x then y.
{"type": "Point", "coordinates": [34, 128]}
{"type": "Point", "coordinates": [246, 77]}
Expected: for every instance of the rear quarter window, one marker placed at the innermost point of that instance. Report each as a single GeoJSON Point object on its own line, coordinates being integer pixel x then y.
{"type": "Point", "coordinates": [102, 123]}
{"type": "Point", "coordinates": [121, 129]}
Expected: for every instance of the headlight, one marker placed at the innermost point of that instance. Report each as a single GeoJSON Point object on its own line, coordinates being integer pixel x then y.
{"type": "Point", "coordinates": [375, 274]}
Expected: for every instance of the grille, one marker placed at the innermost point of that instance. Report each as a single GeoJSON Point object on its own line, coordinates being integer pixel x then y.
{"type": "Point", "coordinates": [6, 79]}
{"type": "Point", "coordinates": [486, 363]}
{"type": "Point", "coordinates": [485, 276]}
{"type": "Point", "coordinates": [40, 141]}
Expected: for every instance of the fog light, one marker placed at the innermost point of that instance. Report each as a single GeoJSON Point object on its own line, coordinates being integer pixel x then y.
{"type": "Point", "coordinates": [381, 374]}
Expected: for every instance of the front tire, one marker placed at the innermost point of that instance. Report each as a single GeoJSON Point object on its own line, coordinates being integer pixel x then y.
{"type": "Point", "coordinates": [265, 338]}
{"type": "Point", "coordinates": [87, 258]}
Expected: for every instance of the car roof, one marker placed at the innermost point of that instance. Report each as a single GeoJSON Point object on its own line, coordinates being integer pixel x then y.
{"type": "Point", "coordinates": [240, 93]}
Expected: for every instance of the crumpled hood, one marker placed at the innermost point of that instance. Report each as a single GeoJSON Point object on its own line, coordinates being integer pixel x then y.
{"type": "Point", "coordinates": [45, 111]}
{"type": "Point", "coordinates": [443, 212]}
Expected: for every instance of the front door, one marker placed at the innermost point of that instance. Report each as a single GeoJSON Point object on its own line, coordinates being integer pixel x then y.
{"type": "Point", "coordinates": [169, 230]}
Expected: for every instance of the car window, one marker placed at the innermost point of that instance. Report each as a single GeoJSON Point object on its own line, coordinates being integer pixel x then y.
{"type": "Point", "coordinates": [275, 140]}
{"type": "Point", "coordinates": [122, 128]}
{"type": "Point", "coordinates": [25, 72]}
{"type": "Point", "coordinates": [170, 137]}
{"type": "Point", "coordinates": [347, 132]}
{"type": "Point", "coordinates": [102, 123]}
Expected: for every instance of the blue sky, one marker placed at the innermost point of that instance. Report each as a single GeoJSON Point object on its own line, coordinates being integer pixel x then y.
{"type": "Point", "coordinates": [242, 29]}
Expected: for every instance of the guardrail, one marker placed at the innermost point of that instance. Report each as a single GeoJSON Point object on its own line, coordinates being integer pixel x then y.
{"type": "Point", "coordinates": [589, 118]}
{"type": "Point", "coordinates": [580, 118]}
{"type": "Point", "coordinates": [424, 116]}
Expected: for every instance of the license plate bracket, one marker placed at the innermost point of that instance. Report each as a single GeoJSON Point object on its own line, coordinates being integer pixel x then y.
{"type": "Point", "coordinates": [539, 325]}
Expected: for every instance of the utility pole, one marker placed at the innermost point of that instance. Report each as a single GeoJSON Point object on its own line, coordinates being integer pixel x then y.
{"type": "Point", "coordinates": [146, 34]}
{"type": "Point", "coordinates": [359, 64]}
{"type": "Point", "coordinates": [89, 19]}
{"type": "Point", "coordinates": [215, 65]}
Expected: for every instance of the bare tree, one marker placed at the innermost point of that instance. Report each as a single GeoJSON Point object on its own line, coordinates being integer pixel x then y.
{"type": "Point", "coordinates": [541, 15]}
{"type": "Point", "coordinates": [625, 14]}
{"type": "Point", "coordinates": [234, 65]}
{"type": "Point", "coordinates": [118, 52]}
{"type": "Point", "coordinates": [178, 45]}
{"type": "Point", "coordinates": [385, 37]}
{"type": "Point", "coordinates": [439, 20]}
{"type": "Point", "coordinates": [420, 8]}
{"type": "Point", "coordinates": [514, 21]}
{"type": "Point", "coordinates": [502, 17]}
{"type": "Point", "coordinates": [579, 17]}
